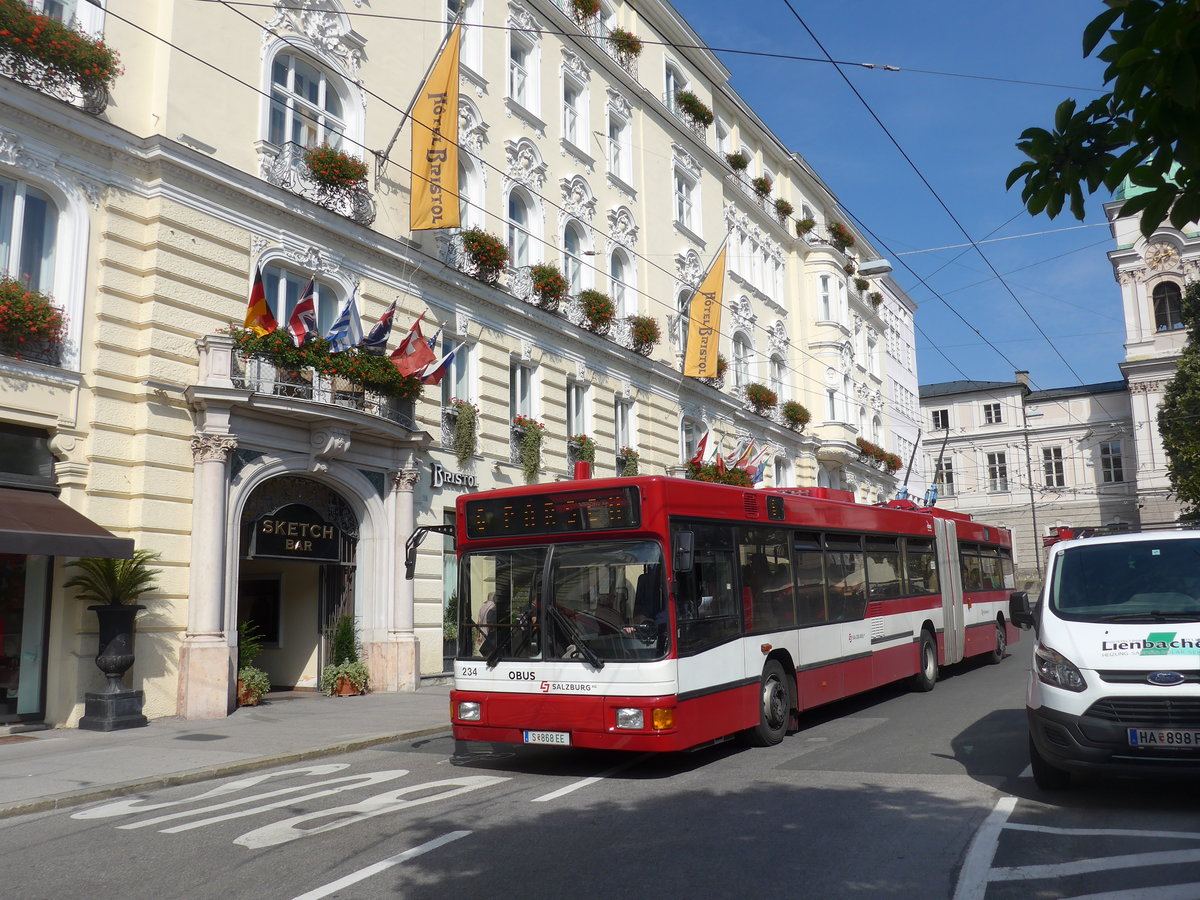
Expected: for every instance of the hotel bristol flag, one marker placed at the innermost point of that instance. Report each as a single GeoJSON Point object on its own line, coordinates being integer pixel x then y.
{"type": "Point", "coordinates": [434, 201]}
{"type": "Point", "coordinates": [704, 323]}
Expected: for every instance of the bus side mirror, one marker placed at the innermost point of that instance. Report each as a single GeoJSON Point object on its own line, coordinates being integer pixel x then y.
{"type": "Point", "coordinates": [683, 553]}
{"type": "Point", "coordinates": [1019, 610]}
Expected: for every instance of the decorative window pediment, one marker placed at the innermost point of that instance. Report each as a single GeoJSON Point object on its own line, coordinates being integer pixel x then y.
{"type": "Point", "coordinates": [525, 163]}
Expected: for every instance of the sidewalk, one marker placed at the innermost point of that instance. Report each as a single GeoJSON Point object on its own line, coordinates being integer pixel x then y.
{"type": "Point", "coordinates": [44, 770]}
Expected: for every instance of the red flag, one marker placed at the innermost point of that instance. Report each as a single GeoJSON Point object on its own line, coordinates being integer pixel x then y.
{"type": "Point", "coordinates": [303, 322]}
{"type": "Point", "coordinates": [258, 312]}
{"type": "Point", "coordinates": [721, 469]}
{"type": "Point", "coordinates": [698, 458]}
{"type": "Point", "coordinates": [414, 353]}
{"type": "Point", "coordinates": [436, 374]}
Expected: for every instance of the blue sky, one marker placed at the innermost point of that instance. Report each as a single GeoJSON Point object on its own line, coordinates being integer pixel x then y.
{"type": "Point", "coordinates": [961, 133]}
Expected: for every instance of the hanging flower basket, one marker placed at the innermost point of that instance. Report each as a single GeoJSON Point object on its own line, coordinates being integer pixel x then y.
{"type": "Point", "coordinates": [334, 171]}
{"type": "Point", "coordinates": [877, 456]}
{"type": "Point", "coordinates": [694, 108]}
{"type": "Point", "coordinates": [762, 185]}
{"type": "Point", "coordinates": [583, 447]}
{"type": "Point", "coordinates": [627, 461]}
{"type": "Point", "coordinates": [599, 310]}
{"type": "Point", "coordinates": [761, 397]}
{"type": "Point", "coordinates": [839, 237]}
{"type": "Point", "coordinates": [644, 333]}
{"type": "Point", "coordinates": [876, 298]}
{"type": "Point", "coordinates": [738, 161]}
{"type": "Point", "coordinates": [487, 253]}
{"type": "Point", "coordinates": [530, 432]}
{"type": "Point", "coordinates": [794, 415]}
{"type": "Point", "coordinates": [850, 267]}
{"type": "Point", "coordinates": [31, 327]}
{"type": "Point", "coordinates": [466, 423]}
{"type": "Point", "coordinates": [65, 54]}
{"type": "Point", "coordinates": [722, 367]}
{"type": "Point", "coordinates": [861, 284]}
{"type": "Point", "coordinates": [783, 209]}
{"type": "Point", "coordinates": [549, 285]}
{"type": "Point", "coordinates": [626, 43]}
{"type": "Point", "coordinates": [804, 226]}
{"type": "Point", "coordinates": [585, 9]}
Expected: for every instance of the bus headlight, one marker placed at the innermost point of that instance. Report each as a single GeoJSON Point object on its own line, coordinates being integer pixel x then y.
{"type": "Point", "coordinates": [468, 710]}
{"type": "Point", "coordinates": [1055, 669]}
{"type": "Point", "coordinates": [629, 717]}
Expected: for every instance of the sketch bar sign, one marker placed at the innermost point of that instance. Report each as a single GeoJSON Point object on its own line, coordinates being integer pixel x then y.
{"type": "Point", "coordinates": [295, 532]}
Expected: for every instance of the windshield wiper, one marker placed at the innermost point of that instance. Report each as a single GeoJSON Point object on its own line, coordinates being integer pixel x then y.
{"type": "Point", "coordinates": [1153, 616]}
{"type": "Point", "coordinates": [574, 637]}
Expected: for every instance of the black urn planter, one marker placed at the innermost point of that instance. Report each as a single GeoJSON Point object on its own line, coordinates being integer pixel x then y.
{"type": "Point", "coordinates": [115, 707]}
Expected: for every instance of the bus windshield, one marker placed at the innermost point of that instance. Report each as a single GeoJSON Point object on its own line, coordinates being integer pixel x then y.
{"type": "Point", "coordinates": [592, 602]}
{"type": "Point", "coordinates": [1129, 581]}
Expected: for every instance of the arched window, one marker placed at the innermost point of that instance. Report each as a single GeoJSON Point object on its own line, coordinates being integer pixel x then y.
{"type": "Point", "coordinates": [620, 274]}
{"type": "Point", "coordinates": [284, 286]}
{"type": "Point", "coordinates": [778, 375]}
{"type": "Point", "coordinates": [572, 257]}
{"type": "Point", "coordinates": [877, 430]}
{"type": "Point", "coordinates": [307, 106]}
{"type": "Point", "coordinates": [1168, 306]}
{"type": "Point", "coordinates": [28, 234]}
{"type": "Point", "coordinates": [470, 193]}
{"type": "Point", "coordinates": [741, 360]}
{"type": "Point", "coordinates": [684, 304]}
{"type": "Point", "coordinates": [519, 219]}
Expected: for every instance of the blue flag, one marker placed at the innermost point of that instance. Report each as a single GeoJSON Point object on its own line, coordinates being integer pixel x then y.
{"type": "Point", "coordinates": [383, 329]}
{"type": "Point", "coordinates": [347, 328]}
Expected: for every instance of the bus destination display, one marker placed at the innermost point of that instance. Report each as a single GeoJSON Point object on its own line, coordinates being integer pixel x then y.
{"type": "Point", "coordinates": [553, 513]}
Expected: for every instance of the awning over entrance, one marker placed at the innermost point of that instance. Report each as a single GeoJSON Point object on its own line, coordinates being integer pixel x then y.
{"type": "Point", "coordinates": [36, 523]}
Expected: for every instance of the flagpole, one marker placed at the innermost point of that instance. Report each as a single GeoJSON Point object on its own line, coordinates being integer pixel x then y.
{"type": "Point", "coordinates": [382, 159]}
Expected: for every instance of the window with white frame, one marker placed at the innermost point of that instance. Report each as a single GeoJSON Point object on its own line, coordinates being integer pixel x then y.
{"type": "Point", "coordinates": [470, 192]}
{"type": "Point", "coordinates": [847, 398]}
{"type": "Point", "coordinates": [783, 472]}
{"type": "Point", "coordinates": [574, 123]}
{"type": "Point", "coordinates": [456, 385]}
{"type": "Point", "coordinates": [307, 106]}
{"type": "Point", "coordinates": [1112, 469]}
{"type": "Point", "coordinates": [685, 199]}
{"type": "Point", "coordinates": [1168, 306]}
{"type": "Point", "coordinates": [741, 360]}
{"type": "Point", "coordinates": [877, 430]}
{"type": "Point", "coordinates": [576, 408]}
{"type": "Point", "coordinates": [520, 389]}
{"type": "Point", "coordinates": [778, 375]}
{"type": "Point", "coordinates": [620, 275]}
{"type": "Point", "coordinates": [683, 303]}
{"type": "Point", "coordinates": [997, 472]}
{"type": "Point", "coordinates": [620, 153]}
{"type": "Point", "coordinates": [690, 432]}
{"type": "Point", "coordinates": [622, 423]}
{"type": "Point", "coordinates": [991, 414]}
{"type": "Point", "coordinates": [831, 405]}
{"type": "Point", "coordinates": [28, 235]}
{"type": "Point", "coordinates": [572, 257]}
{"type": "Point", "coordinates": [86, 15]}
{"type": "Point", "coordinates": [872, 353]}
{"type": "Point", "coordinates": [520, 220]}
{"type": "Point", "coordinates": [284, 287]}
{"type": "Point", "coordinates": [826, 299]}
{"type": "Point", "coordinates": [470, 46]}
{"type": "Point", "coordinates": [941, 419]}
{"type": "Point", "coordinates": [944, 477]}
{"type": "Point", "coordinates": [1052, 467]}
{"type": "Point", "coordinates": [522, 71]}
{"type": "Point", "coordinates": [674, 81]}
{"type": "Point", "coordinates": [722, 131]}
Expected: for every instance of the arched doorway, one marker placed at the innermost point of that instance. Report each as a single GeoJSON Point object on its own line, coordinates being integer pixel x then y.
{"type": "Point", "coordinates": [297, 554]}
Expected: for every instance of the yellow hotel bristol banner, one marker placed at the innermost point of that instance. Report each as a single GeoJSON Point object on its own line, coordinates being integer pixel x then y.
{"type": "Point", "coordinates": [704, 328]}
{"type": "Point", "coordinates": [435, 144]}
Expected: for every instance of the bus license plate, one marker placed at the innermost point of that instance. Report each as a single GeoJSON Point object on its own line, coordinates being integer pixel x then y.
{"type": "Point", "coordinates": [561, 738]}
{"type": "Point", "coordinates": [1163, 737]}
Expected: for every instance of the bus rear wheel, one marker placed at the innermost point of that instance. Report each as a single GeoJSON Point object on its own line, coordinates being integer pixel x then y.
{"type": "Point", "coordinates": [926, 676]}
{"type": "Point", "coordinates": [997, 655]}
{"type": "Point", "coordinates": [774, 706]}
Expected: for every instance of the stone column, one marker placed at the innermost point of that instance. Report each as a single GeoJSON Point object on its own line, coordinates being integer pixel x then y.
{"type": "Point", "coordinates": [207, 662]}
{"type": "Point", "coordinates": [402, 657]}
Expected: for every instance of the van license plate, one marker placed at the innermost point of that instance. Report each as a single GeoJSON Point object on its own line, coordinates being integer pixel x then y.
{"type": "Point", "coordinates": [561, 738]}
{"type": "Point", "coordinates": [1163, 737]}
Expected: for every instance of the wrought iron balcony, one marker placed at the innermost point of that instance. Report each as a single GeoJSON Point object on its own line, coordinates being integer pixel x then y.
{"type": "Point", "coordinates": [284, 167]}
{"type": "Point", "coordinates": [91, 98]}
{"type": "Point", "coordinates": [671, 101]}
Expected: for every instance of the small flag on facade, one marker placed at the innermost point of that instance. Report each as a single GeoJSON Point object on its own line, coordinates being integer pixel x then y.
{"type": "Point", "coordinates": [259, 318]}
{"type": "Point", "coordinates": [435, 374]}
{"type": "Point", "coordinates": [378, 336]}
{"type": "Point", "coordinates": [303, 323]}
{"type": "Point", "coordinates": [346, 332]}
{"type": "Point", "coordinates": [433, 340]}
{"type": "Point", "coordinates": [701, 449]}
{"type": "Point", "coordinates": [413, 354]}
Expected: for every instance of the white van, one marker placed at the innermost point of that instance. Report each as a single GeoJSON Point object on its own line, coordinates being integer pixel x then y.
{"type": "Point", "coordinates": [1115, 682]}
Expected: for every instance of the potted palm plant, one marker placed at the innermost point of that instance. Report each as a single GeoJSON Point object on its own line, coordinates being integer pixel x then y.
{"type": "Point", "coordinates": [346, 675]}
{"type": "Point", "coordinates": [252, 682]}
{"type": "Point", "coordinates": [114, 586]}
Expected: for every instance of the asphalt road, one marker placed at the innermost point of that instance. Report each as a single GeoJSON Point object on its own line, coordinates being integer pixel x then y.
{"type": "Point", "coordinates": [893, 794]}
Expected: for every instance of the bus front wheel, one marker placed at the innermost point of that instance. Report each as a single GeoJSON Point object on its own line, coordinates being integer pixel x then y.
{"type": "Point", "coordinates": [774, 706]}
{"type": "Point", "coordinates": [926, 676]}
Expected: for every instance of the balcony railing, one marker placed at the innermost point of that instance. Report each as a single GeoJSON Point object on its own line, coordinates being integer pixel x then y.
{"type": "Point", "coordinates": [696, 128]}
{"type": "Point", "coordinates": [92, 98]}
{"type": "Point", "coordinates": [284, 167]}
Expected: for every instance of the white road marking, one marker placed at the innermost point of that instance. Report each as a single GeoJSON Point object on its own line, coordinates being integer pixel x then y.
{"type": "Point", "coordinates": [1106, 832]}
{"type": "Point", "coordinates": [1164, 892]}
{"type": "Point", "coordinates": [563, 791]}
{"type": "Point", "coordinates": [973, 879]}
{"type": "Point", "coordinates": [1083, 866]}
{"type": "Point", "coordinates": [382, 866]}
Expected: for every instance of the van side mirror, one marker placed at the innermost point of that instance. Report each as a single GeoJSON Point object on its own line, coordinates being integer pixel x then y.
{"type": "Point", "coordinates": [1019, 610]}
{"type": "Point", "coordinates": [683, 553]}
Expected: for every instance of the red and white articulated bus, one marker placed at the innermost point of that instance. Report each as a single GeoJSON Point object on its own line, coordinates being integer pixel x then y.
{"type": "Point", "coordinates": [655, 613]}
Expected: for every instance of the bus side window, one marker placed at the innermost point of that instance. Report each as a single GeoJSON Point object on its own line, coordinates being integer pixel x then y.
{"type": "Point", "coordinates": [766, 579]}
{"type": "Point", "coordinates": [708, 612]}
{"type": "Point", "coordinates": [810, 580]}
{"type": "Point", "coordinates": [972, 577]}
{"type": "Point", "coordinates": [846, 572]}
{"type": "Point", "coordinates": [920, 565]}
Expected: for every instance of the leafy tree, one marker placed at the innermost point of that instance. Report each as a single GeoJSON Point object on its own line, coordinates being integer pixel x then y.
{"type": "Point", "coordinates": [1180, 412]}
{"type": "Point", "coordinates": [1146, 128]}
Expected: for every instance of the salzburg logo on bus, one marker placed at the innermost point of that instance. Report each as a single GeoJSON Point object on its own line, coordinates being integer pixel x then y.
{"type": "Point", "coordinates": [566, 687]}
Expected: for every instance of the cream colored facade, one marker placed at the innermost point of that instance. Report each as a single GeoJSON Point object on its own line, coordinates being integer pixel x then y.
{"type": "Point", "coordinates": [171, 198]}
